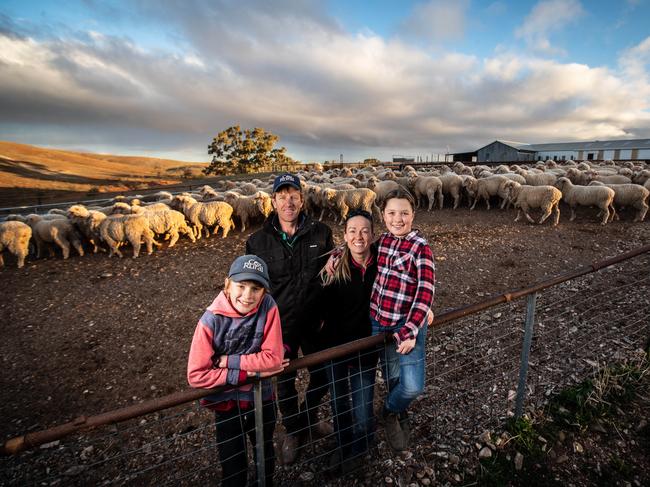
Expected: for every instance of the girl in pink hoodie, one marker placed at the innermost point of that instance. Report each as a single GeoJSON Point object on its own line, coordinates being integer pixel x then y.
{"type": "Point", "coordinates": [237, 337]}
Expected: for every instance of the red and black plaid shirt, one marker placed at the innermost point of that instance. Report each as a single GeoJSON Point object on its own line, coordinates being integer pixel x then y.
{"type": "Point", "coordinates": [405, 283]}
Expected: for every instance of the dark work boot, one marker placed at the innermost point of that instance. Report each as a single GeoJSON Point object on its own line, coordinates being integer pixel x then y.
{"type": "Point", "coordinates": [394, 434]}
{"type": "Point", "coordinates": [404, 424]}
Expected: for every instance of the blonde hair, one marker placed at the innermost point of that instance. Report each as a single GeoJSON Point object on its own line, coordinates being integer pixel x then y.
{"type": "Point", "coordinates": [342, 272]}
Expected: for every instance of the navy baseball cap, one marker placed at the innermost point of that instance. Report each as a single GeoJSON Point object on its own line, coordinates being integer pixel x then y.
{"type": "Point", "coordinates": [286, 179]}
{"type": "Point", "coordinates": [250, 268]}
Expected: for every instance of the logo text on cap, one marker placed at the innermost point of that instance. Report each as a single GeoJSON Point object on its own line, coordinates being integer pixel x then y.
{"type": "Point", "coordinates": [254, 265]}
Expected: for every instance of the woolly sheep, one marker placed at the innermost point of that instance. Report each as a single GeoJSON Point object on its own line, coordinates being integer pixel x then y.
{"type": "Point", "coordinates": [58, 231]}
{"type": "Point", "coordinates": [345, 200]}
{"type": "Point", "coordinates": [485, 189]}
{"type": "Point", "coordinates": [452, 185]}
{"type": "Point", "coordinates": [611, 179]}
{"type": "Point", "coordinates": [633, 195]}
{"type": "Point", "coordinates": [14, 236]}
{"type": "Point", "coordinates": [245, 208]}
{"type": "Point", "coordinates": [119, 229]}
{"type": "Point", "coordinates": [87, 222]}
{"type": "Point", "coordinates": [599, 196]}
{"type": "Point", "coordinates": [429, 187]}
{"type": "Point", "coordinates": [167, 222]}
{"type": "Point", "coordinates": [525, 197]}
{"type": "Point", "coordinates": [382, 188]}
{"type": "Point", "coordinates": [248, 189]}
{"type": "Point", "coordinates": [16, 218]}
{"type": "Point", "coordinates": [576, 176]}
{"type": "Point", "coordinates": [538, 179]}
{"type": "Point", "coordinates": [217, 214]}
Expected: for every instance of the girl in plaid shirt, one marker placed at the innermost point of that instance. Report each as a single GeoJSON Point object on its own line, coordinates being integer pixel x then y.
{"type": "Point", "coordinates": [401, 298]}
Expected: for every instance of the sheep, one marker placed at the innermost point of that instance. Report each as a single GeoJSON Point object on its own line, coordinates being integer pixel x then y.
{"type": "Point", "coordinates": [611, 179]}
{"type": "Point", "coordinates": [344, 200]}
{"type": "Point", "coordinates": [153, 197]}
{"type": "Point", "coordinates": [640, 177]}
{"type": "Point", "coordinates": [167, 222]}
{"type": "Point", "coordinates": [119, 208]}
{"type": "Point", "coordinates": [538, 179]}
{"type": "Point", "coordinates": [485, 189]}
{"type": "Point", "coordinates": [382, 188]}
{"type": "Point", "coordinates": [429, 187]}
{"type": "Point", "coordinates": [599, 196]}
{"type": "Point", "coordinates": [577, 176]}
{"type": "Point", "coordinates": [14, 217]}
{"type": "Point", "coordinates": [249, 207]}
{"type": "Point", "coordinates": [248, 189]}
{"type": "Point", "coordinates": [633, 195]}
{"type": "Point", "coordinates": [452, 184]}
{"type": "Point", "coordinates": [207, 192]}
{"type": "Point", "coordinates": [217, 214]}
{"type": "Point", "coordinates": [14, 236]}
{"type": "Point", "coordinates": [119, 229]}
{"type": "Point", "coordinates": [59, 231]}
{"type": "Point", "coordinates": [525, 197]}
{"type": "Point", "coordinates": [87, 222]}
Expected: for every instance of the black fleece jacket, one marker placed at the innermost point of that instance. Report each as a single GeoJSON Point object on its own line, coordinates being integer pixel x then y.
{"type": "Point", "coordinates": [293, 270]}
{"type": "Point", "coordinates": [345, 309]}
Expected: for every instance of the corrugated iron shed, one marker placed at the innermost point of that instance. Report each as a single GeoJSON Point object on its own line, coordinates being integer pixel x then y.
{"type": "Point", "coordinates": [592, 145]}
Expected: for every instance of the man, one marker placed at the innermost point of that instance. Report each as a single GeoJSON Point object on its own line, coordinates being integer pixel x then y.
{"type": "Point", "coordinates": [294, 247]}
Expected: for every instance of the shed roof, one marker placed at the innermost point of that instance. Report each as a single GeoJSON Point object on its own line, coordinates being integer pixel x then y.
{"type": "Point", "coordinates": [592, 145]}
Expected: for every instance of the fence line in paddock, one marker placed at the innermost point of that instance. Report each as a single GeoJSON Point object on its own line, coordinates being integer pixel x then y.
{"type": "Point", "coordinates": [485, 362]}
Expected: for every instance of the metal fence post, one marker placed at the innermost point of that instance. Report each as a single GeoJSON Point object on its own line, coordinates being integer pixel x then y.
{"type": "Point", "coordinates": [525, 351]}
{"type": "Point", "coordinates": [259, 434]}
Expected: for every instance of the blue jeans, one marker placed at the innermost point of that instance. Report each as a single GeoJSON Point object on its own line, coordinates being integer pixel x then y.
{"type": "Point", "coordinates": [352, 388]}
{"type": "Point", "coordinates": [404, 374]}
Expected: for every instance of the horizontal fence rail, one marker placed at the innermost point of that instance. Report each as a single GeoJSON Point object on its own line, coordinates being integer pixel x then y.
{"type": "Point", "coordinates": [476, 357]}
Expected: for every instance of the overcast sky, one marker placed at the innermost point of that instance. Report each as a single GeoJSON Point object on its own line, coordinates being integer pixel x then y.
{"type": "Point", "coordinates": [365, 79]}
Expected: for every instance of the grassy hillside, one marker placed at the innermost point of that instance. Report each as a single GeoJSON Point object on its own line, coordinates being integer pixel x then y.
{"type": "Point", "coordinates": [27, 168]}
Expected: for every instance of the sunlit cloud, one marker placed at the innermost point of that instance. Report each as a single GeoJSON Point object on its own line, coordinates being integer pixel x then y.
{"type": "Point", "coordinates": [322, 89]}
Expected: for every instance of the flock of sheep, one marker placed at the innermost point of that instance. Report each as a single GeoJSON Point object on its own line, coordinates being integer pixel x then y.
{"type": "Point", "coordinates": [140, 219]}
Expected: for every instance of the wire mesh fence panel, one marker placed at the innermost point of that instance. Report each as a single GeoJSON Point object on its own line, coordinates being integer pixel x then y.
{"type": "Point", "coordinates": [472, 369]}
{"type": "Point", "coordinates": [174, 446]}
{"type": "Point", "coordinates": [588, 322]}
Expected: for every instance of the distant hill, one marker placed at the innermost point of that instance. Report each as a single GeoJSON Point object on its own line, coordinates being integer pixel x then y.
{"type": "Point", "coordinates": [28, 168]}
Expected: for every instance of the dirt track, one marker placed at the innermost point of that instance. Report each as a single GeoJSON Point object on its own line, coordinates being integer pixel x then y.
{"type": "Point", "coordinates": [91, 334]}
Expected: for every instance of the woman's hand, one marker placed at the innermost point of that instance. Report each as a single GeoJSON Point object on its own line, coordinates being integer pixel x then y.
{"type": "Point", "coordinates": [429, 317]}
{"type": "Point", "coordinates": [331, 264]}
{"type": "Point", "coordinates": [223, 362]}
{"type": "Point", "coordinates": [406, 346]}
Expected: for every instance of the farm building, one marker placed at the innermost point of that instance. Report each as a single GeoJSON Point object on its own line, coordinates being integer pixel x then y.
{"type": "Point", "coordinates": [598, 150]}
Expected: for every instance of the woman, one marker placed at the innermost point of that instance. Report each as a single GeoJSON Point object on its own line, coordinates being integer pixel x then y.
{"type": "Point", "coordinates": [345, 310]}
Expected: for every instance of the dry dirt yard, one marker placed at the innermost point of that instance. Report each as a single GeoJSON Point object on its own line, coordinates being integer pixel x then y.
{"type": "Point", "coordinates": [92, 334]}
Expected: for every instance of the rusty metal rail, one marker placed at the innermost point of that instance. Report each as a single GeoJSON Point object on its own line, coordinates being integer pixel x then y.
{"type": "Point", "coordinates": [83, 423]}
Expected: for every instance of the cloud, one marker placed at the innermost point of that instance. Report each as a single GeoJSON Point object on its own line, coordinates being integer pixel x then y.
{"type": "Point", "coordinates": [436, 21]}
{"type": "Point", "coordinates": [299, 75]}
{"type": "Point", "coordinates": [547, 17]}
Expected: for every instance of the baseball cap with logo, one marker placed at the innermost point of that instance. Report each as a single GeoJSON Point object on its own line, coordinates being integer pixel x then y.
{"type": "Point", "coordinates": [250, 268]}
{"type": "Point", "coordinates": [286, 179]}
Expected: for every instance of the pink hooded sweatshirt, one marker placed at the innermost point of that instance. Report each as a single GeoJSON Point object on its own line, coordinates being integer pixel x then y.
{"type": "Point", "coordinates": [252, 342]}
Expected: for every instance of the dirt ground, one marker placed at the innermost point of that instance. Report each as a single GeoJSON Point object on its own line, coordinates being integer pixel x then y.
{"type": "Point", "coordinates": [92, 334]}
